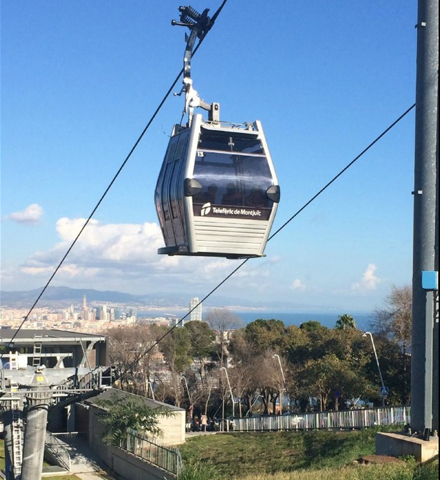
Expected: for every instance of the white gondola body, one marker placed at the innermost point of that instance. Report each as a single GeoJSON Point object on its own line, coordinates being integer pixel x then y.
{"type": "Point", "coordinates": [217, 192]}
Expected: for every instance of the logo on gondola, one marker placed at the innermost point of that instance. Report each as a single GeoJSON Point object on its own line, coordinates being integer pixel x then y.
{"type": "Point", "coordinates": [206, 209]}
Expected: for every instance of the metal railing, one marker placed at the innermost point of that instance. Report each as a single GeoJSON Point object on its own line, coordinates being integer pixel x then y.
{"type": "Point", "coordinates": [346, 419]}
{"type": "Point", "coordinates": [58, 450]}
{"type": "Point", "coordinates": [167, 458]}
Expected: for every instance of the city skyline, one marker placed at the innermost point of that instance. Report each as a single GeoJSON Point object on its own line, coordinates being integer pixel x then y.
{"type": "Point", "coordinates": [79, 88]}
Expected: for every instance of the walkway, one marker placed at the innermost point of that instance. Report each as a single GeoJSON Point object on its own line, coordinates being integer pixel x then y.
{"type": "Point", "coordinates": [83, 461]}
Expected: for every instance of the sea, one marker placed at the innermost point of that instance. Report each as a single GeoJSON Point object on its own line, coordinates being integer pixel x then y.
{"type": "Point", "coordinates": [363, 320]}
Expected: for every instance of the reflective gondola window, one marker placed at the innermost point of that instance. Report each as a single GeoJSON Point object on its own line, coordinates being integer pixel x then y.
{"type": "Point", "coordinates": [168, 164]}
{"type": "Point", "coordinates": [165, 189]}
{"type": "Point", "coordinates": [226, 142]}
{"type": "Point", "coordinates": [176, 175]}
{"type": "Point", "coordinates": [240, 180]}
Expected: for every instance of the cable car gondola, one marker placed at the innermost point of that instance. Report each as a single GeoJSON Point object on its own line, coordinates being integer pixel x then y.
{"type": "Point", "coordinates": [217, 191]}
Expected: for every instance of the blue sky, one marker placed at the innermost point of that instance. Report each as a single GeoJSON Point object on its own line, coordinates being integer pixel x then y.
{"type": "Point", "coordinates": [81, 79]}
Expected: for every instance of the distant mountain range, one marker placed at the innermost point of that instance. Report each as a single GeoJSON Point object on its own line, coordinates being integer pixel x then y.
{"type": "Point", "coordinates": [61, 297]}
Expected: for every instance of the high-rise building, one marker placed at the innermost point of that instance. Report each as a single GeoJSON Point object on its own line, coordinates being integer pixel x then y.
{"type": "Point", "coordinates": [101, 313]}
{"type": "Point", "coordinates": [85, 314]}
{"type": "Point", "coordinates": [196, 314]}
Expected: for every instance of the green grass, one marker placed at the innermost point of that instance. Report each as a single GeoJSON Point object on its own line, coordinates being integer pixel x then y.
{"type": "Point", "coordinates": [257, 453]}
{"type": "Point", "coordinates": [315, 455]}
{"type": "Point", "coordinates": [287, 456]}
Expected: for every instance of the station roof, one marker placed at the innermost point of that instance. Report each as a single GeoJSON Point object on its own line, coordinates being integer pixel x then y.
{"type": "Point", "coordinates": [47, 336]}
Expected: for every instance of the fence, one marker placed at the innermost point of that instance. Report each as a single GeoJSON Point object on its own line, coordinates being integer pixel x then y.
{"type": "Point", "coordinates": [56, 449]}
{"type": "Point", "coordinates": [167, 458]}
{"type": "Point", "coordinates": [325, 420]}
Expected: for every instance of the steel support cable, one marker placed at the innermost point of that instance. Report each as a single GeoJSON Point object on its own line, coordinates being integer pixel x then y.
{"type": "Point", "coordinates": [214, 17]}
{"type": "Point", "coordinates": [146, 352]}
{"type": "Point", "coordinates": [343, 170]}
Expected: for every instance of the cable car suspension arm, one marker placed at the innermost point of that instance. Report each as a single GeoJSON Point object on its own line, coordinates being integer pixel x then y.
{"type": "Point", "coordinates": [199, 25]}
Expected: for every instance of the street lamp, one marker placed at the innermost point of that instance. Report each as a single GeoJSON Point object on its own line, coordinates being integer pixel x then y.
{"type": "Point", "coordinates": [190, 408]}
{"type": "Point", "coordinates": [377, 363]}
{"type": "Point", "coordinates": [151, 388]}
{"type": "Point", "coordinates": [230, 391]}
{"type": "Point", "coordinates": [284, 381]}
{"type": "Point", "coordinates": [186, 384]}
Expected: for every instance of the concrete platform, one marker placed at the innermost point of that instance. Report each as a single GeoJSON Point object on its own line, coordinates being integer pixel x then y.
{"type": "Point", "coordinates": [398, 445]}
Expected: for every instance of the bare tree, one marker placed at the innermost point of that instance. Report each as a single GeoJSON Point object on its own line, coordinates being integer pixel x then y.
{"type": "Point", "coordinates": [242, 383]}
{"type": "Point", "coordinates": [268, 378]}
{"type": "Point", "coordinates": [126, 352]}
{"type": "Point", "coordinates": [395, 320]}
{"type": "Point", "coordinates": [222, 321]}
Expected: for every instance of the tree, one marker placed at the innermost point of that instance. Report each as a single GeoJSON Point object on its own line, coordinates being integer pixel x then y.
{"type": "Point", "coordinates": [131, 413]}
{"type": "Point", "coordinates": [395, 368]}
{"type": "Point", "coordinates": [126, 352]}
{"type": "Point", "coordinates": [322, 377]}
{"type": "Point", "coordinates": [176, 349]}
{"type": "Point", "coordinates": [202, 343]}
{"type": "Point", "coordinates": [240, 349]}
{"type": "Point", "coordinates": [242, 382]}
{"type": "Point", "coordinates": [310, 341]}
{"type": "Point", "coordinates": [268, 379]}
{"type": "Point", "coordinates": [395, 320]}
{"type": "Point", "coordinates": [311, 326]}
{"type": "Point", "coordinates": [265, 334]}
{"type": "Point", "coordinates": [345, 322]}
{"type": "Point", "coordinates": [222, 320]}
{"type": "Point", "coordinates": [392, 326]}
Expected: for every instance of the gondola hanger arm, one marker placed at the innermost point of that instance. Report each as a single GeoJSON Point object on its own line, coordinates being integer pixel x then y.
{"type": "Point", "coordinates": [199, 25]}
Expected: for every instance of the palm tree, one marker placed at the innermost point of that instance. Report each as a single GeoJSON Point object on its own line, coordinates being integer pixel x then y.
{"type": "Point", "coordinates": [345, 322]}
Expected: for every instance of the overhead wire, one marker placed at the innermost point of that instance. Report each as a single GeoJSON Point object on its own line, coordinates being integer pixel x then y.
{"type": "Point", "coordinates": [312, 199]}
{"type": "Point", "coordinates": [202, 37]}
{"type": "Point", "coordinates": [365, 150]}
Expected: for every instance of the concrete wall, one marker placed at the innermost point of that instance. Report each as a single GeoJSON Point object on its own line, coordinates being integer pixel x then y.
{"type": "Point", "coordinates": [96, 432]}
{"type": "Point", "coordinates": [134, 468]}
{"type": "Point", "coordinates": [173, 429]}
{"type": "Point", "coordinates": [82, 418]}
{"type": "Point", "coordinates": [123, 463]}
{"type": "Point", "coordinates": [398, 445]}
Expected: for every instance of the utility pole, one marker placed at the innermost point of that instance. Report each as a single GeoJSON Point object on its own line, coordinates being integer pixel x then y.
{"type": "Point", "coordinates": [424, 366]}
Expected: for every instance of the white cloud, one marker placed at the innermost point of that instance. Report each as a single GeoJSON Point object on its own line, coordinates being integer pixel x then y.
{"type": "Point", "coordinates": [369, 280]}
{"type": "Point", "coordinates": [122, 257]}
{"type": "Point", "coordinates": [121, 246]}
{"type": "Point", "coordinates": [29, 216]}
{"type": "Point", "coordinates": [297, 285]}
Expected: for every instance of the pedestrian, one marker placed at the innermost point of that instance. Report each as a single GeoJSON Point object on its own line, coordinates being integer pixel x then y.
{"type": "Point", "coordinates": [196, 424]}
{"type": "Point", "coordinates": [204, 420]}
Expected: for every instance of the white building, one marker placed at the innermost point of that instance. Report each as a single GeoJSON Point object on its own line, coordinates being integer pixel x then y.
{"type": "Point", "coordinates": [196, 314]}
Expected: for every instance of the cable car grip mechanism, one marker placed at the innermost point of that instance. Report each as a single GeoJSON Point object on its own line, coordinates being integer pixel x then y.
{"type": "Point", "coordinates": [199, 25]}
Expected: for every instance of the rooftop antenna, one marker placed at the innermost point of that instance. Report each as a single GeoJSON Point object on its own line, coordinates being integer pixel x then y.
{"type": "Point", "coordinates": [199, 25]}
